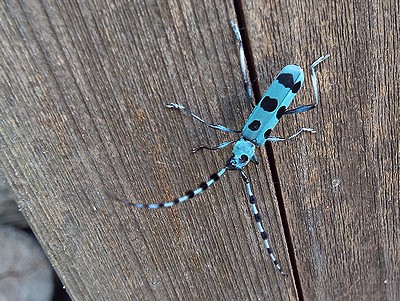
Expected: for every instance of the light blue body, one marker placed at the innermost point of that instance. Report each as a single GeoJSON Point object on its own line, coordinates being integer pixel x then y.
{"type": "Point", "coordinates": [273, 104]}
{"type": "Point", "coordinates": [266, 115]}
{"type": "Point", "coordinates": [242, 153]}
{"type": "Point", "coordinates": [255, 132]}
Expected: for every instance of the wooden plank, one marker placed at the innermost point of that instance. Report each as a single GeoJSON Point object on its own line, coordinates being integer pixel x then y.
{"type": "Point", "coordinates": [82, 96]}
{"type": "Point", "coordinates": [340, 186]}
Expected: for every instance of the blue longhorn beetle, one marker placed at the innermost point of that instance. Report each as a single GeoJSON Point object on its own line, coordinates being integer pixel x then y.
{"type": "Point", "coordinates": [256, 131]}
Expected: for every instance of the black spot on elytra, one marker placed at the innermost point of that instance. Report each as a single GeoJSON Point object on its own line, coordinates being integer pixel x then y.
{"type": "Point", "coordinates": [280, 112]}
{"type": "Point", "coordinates": [255, 125]}
{"type": "Point", "coordinates": [296, 87]}
{"type": "Point", "coordinates": [269, 104]}
{"type": "Point", "coordinates": [286, 79]}
{"type": "Point", "coordinates": [267, 133]}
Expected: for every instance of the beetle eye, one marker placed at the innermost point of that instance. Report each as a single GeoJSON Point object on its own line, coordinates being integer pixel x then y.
{"type": "Point", "coordinates": [244, 158]}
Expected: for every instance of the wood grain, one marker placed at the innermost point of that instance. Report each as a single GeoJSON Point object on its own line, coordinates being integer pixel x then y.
{"type": "Point", "coordinates": [84, 94]}
{"type": "Point", "coordinates": [83, 88]}
{"type": "Point", "coordinates": [340, 187]}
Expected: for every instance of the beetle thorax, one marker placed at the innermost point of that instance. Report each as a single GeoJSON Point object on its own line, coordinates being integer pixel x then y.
{"type": "Point", "coordinates": [242, 153]}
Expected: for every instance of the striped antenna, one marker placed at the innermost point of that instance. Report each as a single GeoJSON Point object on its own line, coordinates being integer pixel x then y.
{"type": "Point", "coordinates": [188, 195]}
{"type": "Point", "coordinates": [258, 217]}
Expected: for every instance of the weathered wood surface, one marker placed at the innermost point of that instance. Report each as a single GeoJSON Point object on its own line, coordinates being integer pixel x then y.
{"type": "Point", "coordinates": [83, 88]}
{"type": "Point", "coordinates": [341, 187]}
